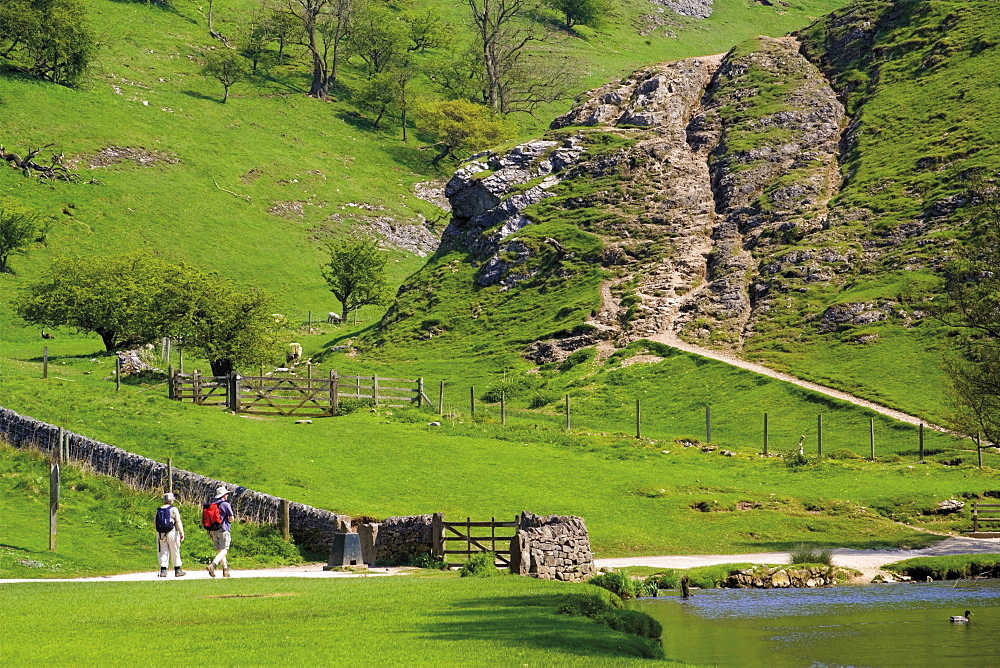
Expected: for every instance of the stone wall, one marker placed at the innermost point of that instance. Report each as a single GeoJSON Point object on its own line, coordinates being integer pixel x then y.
{"type": "Point", "coordinates": [399, 539]}
{"type": "Point", "coordinates": [311, 528]}
{"type": "Point", "coordinates": [778, 577]}
{"type": "Point", "coordinates": [552, 547]}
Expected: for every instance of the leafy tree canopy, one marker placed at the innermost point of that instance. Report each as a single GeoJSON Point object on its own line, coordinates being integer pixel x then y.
{"type": "Point", "coordinates": [460, 125]}
{"type": "Point", "coordinates": [49, 39]}
{"type": "Point", "coordinates": [356, 274]}
{"type": "Point", "coordinates": [20, 229]}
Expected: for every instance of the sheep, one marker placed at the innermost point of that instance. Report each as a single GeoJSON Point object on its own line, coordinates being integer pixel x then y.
{"type": "Point", "coordinates": [332, 318]}
{"type": "Point", "coordinates": [294, 353]}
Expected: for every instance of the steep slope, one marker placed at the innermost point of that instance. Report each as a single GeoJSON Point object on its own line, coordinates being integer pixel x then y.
{"type": "Point", "coordinates": [739, 206]}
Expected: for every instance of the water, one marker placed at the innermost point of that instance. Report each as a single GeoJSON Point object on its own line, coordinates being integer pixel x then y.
{"type": "Point", "coordinates": [878, 625]}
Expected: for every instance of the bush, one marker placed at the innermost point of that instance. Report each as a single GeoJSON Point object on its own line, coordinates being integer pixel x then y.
{"type": "Point", "coordinates": [843, 453]}
{"type": "Point", "coordinates": [590, 603]}
{"type": "Point", "coordinates": [348, 406]}
{"type": "Point", "coordinates": [578, 357]}
{"type": "Point", "coordinates": [427, 560]}
{"type": "Point", "coordinates": [805, 554]}
{"type": "Point", "coordinates": [631, 621]}
{"type": "Point", "coordinates": [480, 565]}
{"type": "Point", "coordinates": [615, 582]}
{"type": "Point", "coordinates": [796, 460]}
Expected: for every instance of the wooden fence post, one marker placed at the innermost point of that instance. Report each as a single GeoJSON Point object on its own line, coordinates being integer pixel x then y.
{"type": "Point", "coordinates": [819, 434]}
{"type": "Point", "coordinates": [45, 362]}
{"type": "Point", "coordinates": [170, 381]}
{"type": "Point", "coordinates": [472, 401]}
{"type": "Point", "coordinates": [871, 435]}
{"type": "Point", "coordinates": [235, 388]}
{"type": "Point", "coordinates": [196, 385]}
{"type": "Point", "coordinates": [441, 399]}
{"type": "Point", "coordinates": [180, 360]}
{"type": "Point", "coordinates": [334, 392]}
{"type": "Point", "coordinates": [503, 408]}
{"type": "Point", "coordinates": [375, 389]}
{"type": "Point", "coordinates": [53, 503]}
{"type": "Point", "coordinates": [437, 533]}
{"type": "Point", "coordinates": [921, 437]}
{"type": "Point", "coordinates": [286, 525]}
{"type": "Point", "coordinates": [765, 434]}
{"type": "Point", "coordinates": [708, 423]}
{"type": "Point", "coordinates": [118, 373]}
{"type": "Point", "coordinates": [567, 413]}
{"type": "Point", "coordinates": [638, 420]}
{"type": "Point", "coordinates": [420, 392]}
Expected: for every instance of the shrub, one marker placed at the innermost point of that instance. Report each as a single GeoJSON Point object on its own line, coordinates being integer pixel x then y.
{"type": "Point", "coordinates": [843, 453]}
{"type": "Point", "coordinates": [590, 603]}
{"type": "Point", "coordinates": [615, 582]}
{"type": "Point", "coordinates": [796, 460]}
{"type": "Point", "coordinates": [631, 621]}
{"type": "Point", "coordinates": [480, 565]}
{"type": "Point", "coordinates": [427, 560]}
{"type": "Point", "coordinates": [348, 406]}
{"type": "Point", "coordinates": [805, 554]}
{"type": "Point", "coordinates": [579, 357]}
{"type": "Point", "coordinates": [604, 607]}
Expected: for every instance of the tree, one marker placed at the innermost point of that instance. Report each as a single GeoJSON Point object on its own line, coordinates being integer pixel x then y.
{"type": "Point", "coordinates": [324, 26]}
{"type": "Point", "coordinates": [428, 31]}
{"type": "Point", "coordinates": [20, 229]}
{"type": "Point", "coordinates": [462, 125]}
{"type": "Point", "coordinates": [228, 325]}
{"type": "Point", "coordinates": [511, 79]}
{"type": "Point", "coordinates": [580, 12]}
{"type": "Point", "coordinates": [118, 297]}
{"type": "Point", "coordinates": [971, 302]}
{"type": "Point", "coordinates": [49, 39]}
{"type": "Point", "coordinates": [356, 274]}
{"type": "Point", "coordinates": [226, 66]}
{"type": "Point", "coordinates": [378, 37]}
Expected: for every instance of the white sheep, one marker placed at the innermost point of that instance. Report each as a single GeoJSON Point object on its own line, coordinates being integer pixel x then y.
{"type": "Point", "coordinates": [333, 318]}
{"type": "Point", "coordinates": [294, 353]}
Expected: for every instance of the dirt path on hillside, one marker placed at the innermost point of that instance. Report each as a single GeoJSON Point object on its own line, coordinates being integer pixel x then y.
{"type": "Point", "coordinates": [869, 562]}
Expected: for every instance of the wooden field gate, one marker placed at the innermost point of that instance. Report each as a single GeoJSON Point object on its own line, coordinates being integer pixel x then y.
{"type": "Point", "coordinates": [292, 395]}
{"type": "Point", "coordinates": [984, 513]}
{"type": "Point", "coordinates": [449, 537]}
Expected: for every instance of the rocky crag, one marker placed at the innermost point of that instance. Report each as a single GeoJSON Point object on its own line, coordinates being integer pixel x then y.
{"type": "Point", "coordinates": [715, 162]}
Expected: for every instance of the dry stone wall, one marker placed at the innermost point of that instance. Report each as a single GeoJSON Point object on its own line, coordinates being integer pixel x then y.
{"type": "Point", "coordinates": [312, 528]}
{"type": "Point", "coordinates": [399, 539]}
{"type": "Point", "coordinates": [552, 547]}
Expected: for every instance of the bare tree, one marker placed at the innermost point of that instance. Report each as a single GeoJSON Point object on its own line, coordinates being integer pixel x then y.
{"type": "Point", "coordinates": [325, 24]}
{"type": "Point", "coordinates": [511, 78]}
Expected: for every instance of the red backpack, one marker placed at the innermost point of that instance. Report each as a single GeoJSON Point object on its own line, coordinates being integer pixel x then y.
{"type": "Point", "coordinates": [211, 518]}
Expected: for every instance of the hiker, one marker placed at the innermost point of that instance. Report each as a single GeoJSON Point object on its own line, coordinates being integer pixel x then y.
{"type": "Point", "coordinates": [216, 519]}
{"type": "Point", "coordinates": [170, 535]}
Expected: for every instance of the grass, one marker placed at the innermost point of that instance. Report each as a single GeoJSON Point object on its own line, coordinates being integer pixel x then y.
{"type": "Point", "coordinates": [431, 621]}
{"type": "Point", "coordinates": [955, 567]}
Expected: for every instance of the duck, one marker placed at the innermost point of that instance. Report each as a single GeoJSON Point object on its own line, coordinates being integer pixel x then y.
{"type": "Point", "coordinates": [960, 619]}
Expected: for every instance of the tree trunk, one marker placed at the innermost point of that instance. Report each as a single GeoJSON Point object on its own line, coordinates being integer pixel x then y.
{"type": "Point", "coordinates": [110, 342]}
{"type": "Point", "coordinates": [221, 367]}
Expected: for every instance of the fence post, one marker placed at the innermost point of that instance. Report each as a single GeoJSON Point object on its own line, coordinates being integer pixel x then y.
{"type": "Point", "coordinates": [196, 385]}
{"type": "Point", "coordinates": [420, 392]}
{"type": "Point", "coordinates": [45, 362]}
{"type": "Point", "coordinates": [375, 389]}
{"type": "Point", "coordinates": [472, 401]}
{"type": "Point", "coordinates": [180, 360]}
{"type": "Point", "coordinates": [503, 408]}
{"type": "Point", "coordinates": [170, 381]}
{"type": "Point", "coordinates": [53, 503]}
{"type": "Point", "coordinates": [234, 391]}
{"type": "Point", "coordinates": [765, 434]}
{"type": "Point", "coordinates": [819, 434]}
{"type": "Point", "coordinates": [638, 420]}
{"type": "Point", "coordinates": [437, 533]}
{"type": "Point", "coordinates": [708, 423]}
{"type": "Point", "coordinates": [921, 432]}
{"type": "Point", "coordinates": [334, 392]}
{"type": "Point", "coordinates": [58, 454]}
{"type": "Point", "coordinates": [567, 413]}
{"type": "Point", "coordinates": [118, 373]}
{"type": "Point", "coordinates": [286, 525]}
{"type": "Point", "coordinates": [871, 435]}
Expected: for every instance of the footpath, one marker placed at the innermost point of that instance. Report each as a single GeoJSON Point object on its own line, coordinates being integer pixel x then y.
{"type": "Point", "coordinates": [198, 572]}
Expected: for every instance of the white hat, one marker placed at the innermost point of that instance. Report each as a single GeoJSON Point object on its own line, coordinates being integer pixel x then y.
{"type": "Point", "coordinates": [221, 492]}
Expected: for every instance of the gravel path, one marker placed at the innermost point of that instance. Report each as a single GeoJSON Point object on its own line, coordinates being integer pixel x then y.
{"type": "Point", "coordinates": [869, 562]}
{"type": "Point", "coordinates": [199, 573]}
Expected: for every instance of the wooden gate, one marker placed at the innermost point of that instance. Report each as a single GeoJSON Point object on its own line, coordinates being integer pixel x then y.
{"type": "Point", "coordinates": [468, 538]}
{"type": "Point", "coordinates": [294, 395]}
{"type": "Point", "coordinates": [985, 513]}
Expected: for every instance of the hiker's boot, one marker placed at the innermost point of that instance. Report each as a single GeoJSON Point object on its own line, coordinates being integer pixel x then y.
{"type": "Point", "coordinates": [211, 570]}
{"type": "Point", "coordinates": [225, 572]}
{"type": "Point", "coordinates": [163, 571]}
{"type": "Point", "coordinates": [179, 572]}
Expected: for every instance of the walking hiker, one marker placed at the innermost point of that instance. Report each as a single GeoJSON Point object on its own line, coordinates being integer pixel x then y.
{"type": "Point", "coordinates": [215, 518]}
{"type": "Point", "coordinates": [170, 535]}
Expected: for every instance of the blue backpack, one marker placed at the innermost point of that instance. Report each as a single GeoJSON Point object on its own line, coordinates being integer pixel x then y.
{"type": "Point", "coordinates": [164, 522]}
